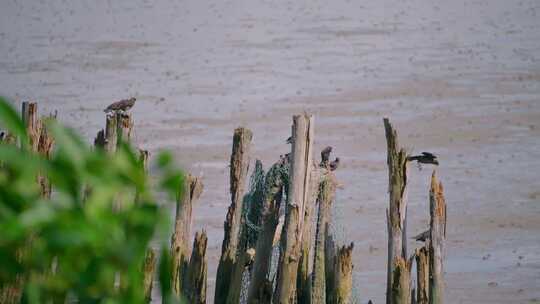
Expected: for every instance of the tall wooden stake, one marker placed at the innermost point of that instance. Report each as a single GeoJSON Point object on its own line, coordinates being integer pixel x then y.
{"type": "Point", "coordinates": [239, 166]}
{"type": "Point", "coordinates": [325, 199]}
{"type": "Point", "coordinates": [437, 208]}
{"type": "Point", "coordinates": [397, 211]}
{"type": "Point", "coordinates": [302, 136]}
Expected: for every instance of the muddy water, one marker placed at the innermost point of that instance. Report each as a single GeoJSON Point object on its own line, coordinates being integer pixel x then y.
{"type": "Point", "coordinates": [458, 78]}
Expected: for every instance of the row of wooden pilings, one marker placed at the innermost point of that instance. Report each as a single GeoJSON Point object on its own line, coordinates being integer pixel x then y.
{"type": "Point", "coordinates": [307, 272]}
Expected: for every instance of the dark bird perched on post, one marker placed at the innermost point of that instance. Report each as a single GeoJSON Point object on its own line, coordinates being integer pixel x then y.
{"type": "Point", "coordinates": [422, 237]}
{"type": "Point", "coordinates": [335, 164]}
{"type": "Point", "coordinates": [325, 155]}
{"type": "Point", "coordinates": [425, 158]}
{"type": "Point", "coordinates": [122, 105]}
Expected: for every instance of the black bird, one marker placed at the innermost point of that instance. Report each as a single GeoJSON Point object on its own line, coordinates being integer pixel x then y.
{"type": "Point", "coordinates": [325, 155]}
{"type": "Point", "coordinates": [335, 164]}
{"type": "Point", "coordinates": [422, 237]}
{"type": "Point", "coordinates": [425, 158]}
{"type": "Point", "coordinates": [289, 140]}
{"type": "Point", "coordinates": [122, 105]}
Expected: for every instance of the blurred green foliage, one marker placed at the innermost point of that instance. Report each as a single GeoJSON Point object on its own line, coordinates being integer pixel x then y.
{"type": "Point", "coordinates": [86, 243]}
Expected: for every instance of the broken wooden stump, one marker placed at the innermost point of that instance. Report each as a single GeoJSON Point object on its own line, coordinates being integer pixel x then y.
{"type": "Point", "coordinates": [239, 166]}
{"type": "Point", "coordinates": [401, 278]}
{"type": "Point", "coordinates": [124, 127]}
{"type": "Point", "coordinates": [180, 239]}
{"type": "Point", "coordinates": [196, 278]}
{"type": "Point", "coordinates": [422, 275]}
{"type": "Point", "coordinates": [343, 275]}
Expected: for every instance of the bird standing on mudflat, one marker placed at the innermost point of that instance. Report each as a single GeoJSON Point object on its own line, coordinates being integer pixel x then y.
{"type": "Point", "coordinates": [122, 105]}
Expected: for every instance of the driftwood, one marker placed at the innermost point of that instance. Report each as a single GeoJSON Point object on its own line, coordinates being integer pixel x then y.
{"type": "Point", "coordinates": [182, 229]}
{"type": "Point", "coordinates": [325, 200]}
{"type": "Point", "coordinates": [239, 166]}
{"type": "Point", "coordinates": [397, 211]}
{"type": "Point", "coordinates": [302, 141]}
{"type": "Point", "coordinates": [343, 275]}
{"type": "Point", "coordinates": [437, 207]}
{"type": "Point", "coordinates": [195, 288]}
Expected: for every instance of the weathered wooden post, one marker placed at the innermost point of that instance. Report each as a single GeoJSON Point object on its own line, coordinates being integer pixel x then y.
{"type": "Point", "coordinates": [422, 275]}
{"type": "Point", "coordinates": [197, 271]}
{"type": "Point", "coordinates": [150, 260]}
{"type": "Point", "coordinates": [239, 166]}
{"type": "Point", "coordinates": [305, 265]}
{"type": "Point", "coordinates": [302, 137]}
{"type": "Point", "coordinates": [437, 208]}
{"type": "Point", "coordinates": [396, 213]}
{"type": "Point", "coordinates": [45, 148]}
{"type": "Point", "coordinates": [401, 287]}
{"type": "Point", "coordinates": [325, 199]}
{"type": "Point", "coordinates": [180, 251]}
{"type": "Point", "coordinates": [111, 133]}
{"type": "Point", "coordinates": [33, 124]}
{"type": "Point", "coordinates": [124, 127]}
{"type": "Point", "coordinates": [343, 275]}
{"type": "Point", "coordinates": [276, 182]}
{"type": "Point", "coordinates": [148, 273]}
{"type": "Point", "coordinates": [330, 252]}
